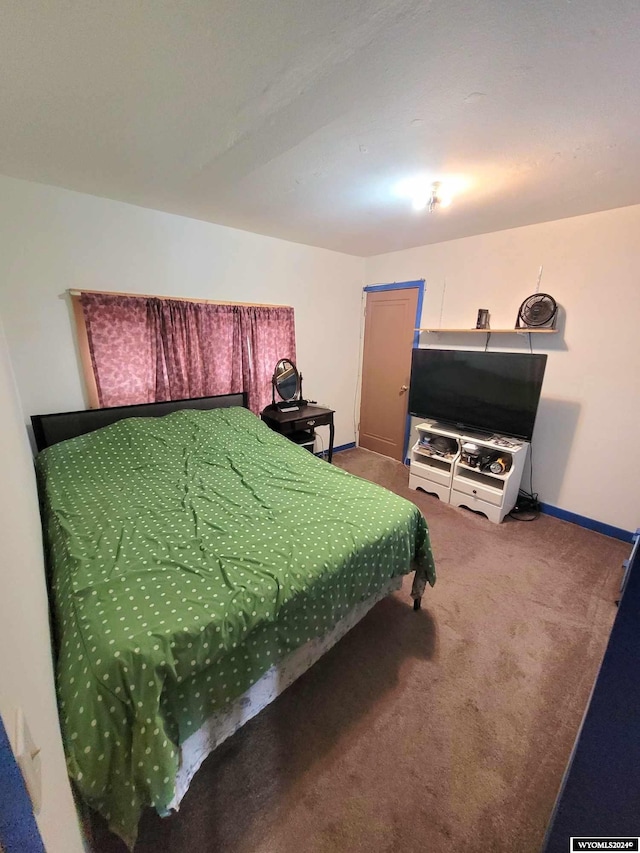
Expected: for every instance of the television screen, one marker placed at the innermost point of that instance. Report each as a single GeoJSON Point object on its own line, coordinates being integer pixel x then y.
{"type": "Point", "coordinates": [493, 392]}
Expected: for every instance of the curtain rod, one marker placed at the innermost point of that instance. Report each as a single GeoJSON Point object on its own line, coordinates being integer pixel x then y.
{"type": "Point", "coordinates": [75, 292]}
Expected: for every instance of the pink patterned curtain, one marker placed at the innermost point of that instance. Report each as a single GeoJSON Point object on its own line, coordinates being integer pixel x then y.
{"type": "Point", "coordinates": [123, 348]}
{"type": "Point", "coordinates": [146, 350]}
{"type": "Point", "coordinates": [268, 335]}
{"type": "Point", "coordinates": [197, 347]}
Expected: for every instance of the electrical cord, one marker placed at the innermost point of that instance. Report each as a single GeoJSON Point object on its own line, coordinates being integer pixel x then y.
{"type": "Point", "coordinates": [527, 506]}
{"type": "Point", "coordinates": [356, 396]}
{"type": "Point", "coordinates": [487, 341]}
{"type": "Point", "coordinates": [527, 509]}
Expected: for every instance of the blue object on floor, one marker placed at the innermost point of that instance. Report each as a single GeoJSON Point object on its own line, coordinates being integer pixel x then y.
{"type": "Point", "coordinates": [18, 829]}
{"type": "Point", "coordinates": [600, 793]}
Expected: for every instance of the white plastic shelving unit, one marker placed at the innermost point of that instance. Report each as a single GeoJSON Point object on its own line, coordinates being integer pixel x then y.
{"type": "Point", "coordinates": [433, 472]}
{"type": "Point", "coordinates": [445, 474]}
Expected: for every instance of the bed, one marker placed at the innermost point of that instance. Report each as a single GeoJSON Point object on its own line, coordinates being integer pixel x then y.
{"type": "Point", "coordinates": [199, 563]}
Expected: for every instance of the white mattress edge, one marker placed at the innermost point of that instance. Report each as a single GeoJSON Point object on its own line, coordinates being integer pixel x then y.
{"type": "Point", "coordinates": [275, 681]}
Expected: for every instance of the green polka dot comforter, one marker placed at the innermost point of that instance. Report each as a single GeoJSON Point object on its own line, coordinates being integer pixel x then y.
{"type": "Point", "coordinates": [189, 554]}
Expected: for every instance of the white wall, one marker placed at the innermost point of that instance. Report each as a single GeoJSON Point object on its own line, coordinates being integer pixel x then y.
{"type": "Point", "coordinates": [26, 672]}
{"type": "Point", "coordinates": [585, 455]}
{"type": "Point", "coordinates": [53, 239]}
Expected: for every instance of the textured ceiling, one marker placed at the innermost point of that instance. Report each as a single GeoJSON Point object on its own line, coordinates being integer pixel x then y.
{"type": "Point", "coordinates": [296, 118]}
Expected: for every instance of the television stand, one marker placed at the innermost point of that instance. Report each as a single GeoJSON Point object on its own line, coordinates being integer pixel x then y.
{"type": "Point", "coordinates": [477, 434]}
{"type": "Point", "coordinates": [437, 467]}
{"type": "Point", "coordinates": [458, 429]}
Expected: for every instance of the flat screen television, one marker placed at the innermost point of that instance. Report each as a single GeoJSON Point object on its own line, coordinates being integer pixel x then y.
{"type": "Point", "coordinates": [487, 392]}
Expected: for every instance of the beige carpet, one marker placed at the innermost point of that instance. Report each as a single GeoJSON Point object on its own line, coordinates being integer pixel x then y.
{"type": "Point", "coordinates": [436, 731]}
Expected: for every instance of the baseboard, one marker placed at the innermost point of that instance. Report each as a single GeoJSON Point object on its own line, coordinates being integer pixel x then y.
{"type": "Point", "coordinates": [589, 523]}
{"type": "Point", "coordinates": [349, 446]}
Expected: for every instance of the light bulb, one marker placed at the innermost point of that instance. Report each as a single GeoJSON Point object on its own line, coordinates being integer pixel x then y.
{"type": "Point", "coordinates": [425, 193]}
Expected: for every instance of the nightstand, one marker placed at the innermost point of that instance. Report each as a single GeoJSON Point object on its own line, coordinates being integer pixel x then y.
{"type": "Point", "coordinates": [304, 419]}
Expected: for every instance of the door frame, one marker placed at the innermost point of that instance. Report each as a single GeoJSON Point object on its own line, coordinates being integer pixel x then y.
{"type": "Point", "coordinates": [417, 284]}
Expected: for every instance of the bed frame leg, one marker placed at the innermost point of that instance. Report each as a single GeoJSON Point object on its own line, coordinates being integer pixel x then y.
{"type": "Point", "coordinates": [417, 603]}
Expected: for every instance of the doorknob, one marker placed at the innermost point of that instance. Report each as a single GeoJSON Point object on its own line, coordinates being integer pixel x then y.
{"type": "Point", "coordinates": [404, 387]}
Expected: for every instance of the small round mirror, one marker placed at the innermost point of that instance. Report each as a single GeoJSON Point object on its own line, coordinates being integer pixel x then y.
{"type": "Point", "coordinates": [287, 380]}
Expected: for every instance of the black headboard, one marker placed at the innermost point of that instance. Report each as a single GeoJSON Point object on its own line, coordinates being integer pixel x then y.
{"type": "Point", "coordinates": [50, 429]}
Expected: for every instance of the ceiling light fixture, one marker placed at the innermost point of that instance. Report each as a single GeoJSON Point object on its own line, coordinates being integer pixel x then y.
{"type": "Point", "coordinates": [428, 194]}
{"type": "Point", "coordinates": [436, 198]}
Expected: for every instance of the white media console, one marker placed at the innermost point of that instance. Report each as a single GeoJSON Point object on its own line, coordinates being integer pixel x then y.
{"type": "Point", "coordinates": [447, 475]}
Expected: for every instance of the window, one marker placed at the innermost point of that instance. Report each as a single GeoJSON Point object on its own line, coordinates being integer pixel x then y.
{"type": "Point", "coordinates": [144, 349]}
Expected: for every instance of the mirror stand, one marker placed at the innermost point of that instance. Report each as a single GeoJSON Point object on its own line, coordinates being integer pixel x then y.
{"type": "Point", "coordinates": [287, 381]}
{"type": "Point", "coordinates": [287, 405]}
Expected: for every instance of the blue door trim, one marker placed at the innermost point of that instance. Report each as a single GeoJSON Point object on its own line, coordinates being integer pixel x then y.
{"type": "Point", "coordinates": [418, 285]}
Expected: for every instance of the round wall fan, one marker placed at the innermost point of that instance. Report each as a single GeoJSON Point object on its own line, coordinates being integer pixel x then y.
{"type": "Point", "coordinates": [537, 311]}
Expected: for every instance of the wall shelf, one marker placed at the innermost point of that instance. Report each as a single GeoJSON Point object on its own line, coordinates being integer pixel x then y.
{"type": "Point", "coordinates": [492, 331]}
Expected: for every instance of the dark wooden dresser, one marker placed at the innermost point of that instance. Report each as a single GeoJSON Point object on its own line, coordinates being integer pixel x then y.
{"type": "Point", "coordinates": [294, 424]}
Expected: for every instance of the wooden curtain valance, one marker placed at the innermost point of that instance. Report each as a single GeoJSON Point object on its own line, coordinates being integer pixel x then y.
{"type": "Point", "coordinates": [75, 296]}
